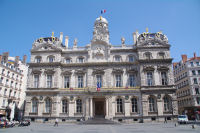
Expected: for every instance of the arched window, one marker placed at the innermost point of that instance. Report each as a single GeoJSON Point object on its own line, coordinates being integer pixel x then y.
{"type": "Point", "coordinates": [48, 105]}
{"type": "Point", "coordinates": [152, 104]}
{"type": "Point", "coordinates": [68, 60]}
{"type": "Point", "coordinates": [134, 105]}
{"type": "Point", "coordinates": [34, 105]}
{"type": "Point", "coordinates": [117, 58]}
{"type": "Point", "coordinates": [51, 58]}
{"type": "Point", "coordinates": [161, 55]}
{"type": "Point", "coordinates": [119, 105]}
{"type": "Point", "coordinates": [80, 60]}
{"type": "Point", "coordinates": [38, 59]}
{"type": "Point", "coordinates": [64, 106]}
{"type": "Point", "coordinates": [147, 55]}
{"type": "Point", "coordinates": [78, 106]}
{"type": "Point", "coordinates": [167, 104]}
{"type": "Point", "coordinates": [131, 58]}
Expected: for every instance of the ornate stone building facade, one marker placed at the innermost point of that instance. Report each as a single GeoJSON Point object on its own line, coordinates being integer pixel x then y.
{"type": "Point", "coordinates": [121, 83]}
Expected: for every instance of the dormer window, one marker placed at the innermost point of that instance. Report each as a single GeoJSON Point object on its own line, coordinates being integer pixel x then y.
{"type": "Point", "coordinates": [117, 58]}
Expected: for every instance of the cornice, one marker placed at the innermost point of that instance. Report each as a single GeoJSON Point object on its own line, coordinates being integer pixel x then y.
{"type": "Point", "coordinates": [169, 60]}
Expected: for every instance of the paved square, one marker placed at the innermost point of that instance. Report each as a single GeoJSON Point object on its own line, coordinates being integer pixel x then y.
{"type": "Point", "coordinates": [123, 128]}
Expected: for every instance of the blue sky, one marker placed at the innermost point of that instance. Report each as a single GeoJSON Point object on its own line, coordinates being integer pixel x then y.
{"type": "Point", "coordinates": [23, 21]}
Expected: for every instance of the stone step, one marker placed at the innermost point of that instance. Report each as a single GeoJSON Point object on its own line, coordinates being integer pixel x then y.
{"type": "Point", "coordinates": [95, 121]}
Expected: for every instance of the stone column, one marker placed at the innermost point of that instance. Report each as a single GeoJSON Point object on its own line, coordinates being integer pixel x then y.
{"type": "Point", "coordinates": [87, 108]}
{"type": "Point", "coordinates": [40, 108]}
{"type": "Point", "coordinates": [113, 106]}
{"type": "Point", "coordinates": [107, 108]}
{"type": "Point", "coordinates": [91, 107]}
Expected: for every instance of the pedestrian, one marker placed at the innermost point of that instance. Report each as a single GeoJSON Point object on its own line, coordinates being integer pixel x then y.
{"type": "Point", "coordinates": [56, 123]}
{"type": "Point", "coordinates": [165, 120]}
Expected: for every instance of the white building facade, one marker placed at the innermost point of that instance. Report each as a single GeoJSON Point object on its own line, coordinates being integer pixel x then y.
{"type": "Point", "coordinates": [121, 83]}
{"type": "Point", "coordinates": [187, 81]}
{"type": "Point", "coordinates": [13, 81]}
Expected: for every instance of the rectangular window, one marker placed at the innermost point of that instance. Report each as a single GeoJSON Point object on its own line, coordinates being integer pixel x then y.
{"type": "Point", "coordinates": [118, 80]}
{"type": "Point", "coordinates": [191, 63]}
{"type": "Point", "coordinates": [193, 72]}
{"type": "Point", "coordinates": [198, 72]}
{"type": "Point", "coordinates": [66, 81]}
{"type": "Point", "coordinates": [198, 100]}
{"type": "Point", "coordinates": [4, 103]}
{"type": "Point", "coordinates": [195, 81]}
{"type": "Point", "coordinates": [131, 80]}
{"type": "Point", "coordinates": [36, 81]}
{"type": "Point", "coordinates": [38, 60]}
{"type": "Point", "coordinates": [49, 81]}
{"type": "Point", "coordinates": [164, 78]}
{"type": "Point", "coordinates": [149, 78]}
{"type": "Point", "coordinates": [131, 59]}
{"type": "Point", "coordinates": [99, 80]}
{"type": "Point", "coordinates": [67, 61]}
{"type": "Point", "coordinates": [197, 90]}
{"type": "Point", "coordinates": [80, 81]}
{"type": "Point", "coordinates": [5, 92]}
{"type": "Point", "coordinates": [51, 59]}
{"type": "Point", "coordinates": [197, 63]}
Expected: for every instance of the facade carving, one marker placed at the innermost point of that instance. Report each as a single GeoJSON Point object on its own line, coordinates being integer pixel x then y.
{"type": "Point", "coordinates": [126, 82]}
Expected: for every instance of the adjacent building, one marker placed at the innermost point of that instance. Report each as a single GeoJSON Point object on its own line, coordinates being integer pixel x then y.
{"type": "Point", "coordinates": [125, 82]}
{"type": "Point", "coordinates": [13, 81]}
{"type": "Point", "coordinates": [187, 81]}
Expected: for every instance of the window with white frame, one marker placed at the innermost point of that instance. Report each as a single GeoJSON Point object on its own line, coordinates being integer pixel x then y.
{"type": "Point", "coordinates": [149, 78]}
{"type": "Point", "coordinates": [164, 78]}
{"type": "Point", "coordinates": [80, 81]}
{"type": "Point", "coordinates": [131, 80]}
{"type": "Point", "coordinates": [118, 80]}
{"type": "Point", "coordinates": [167, 104]}
{"type": "Point", "coordinates": [134, 105]}
{"type": "Point", "coordinates": [36, 81]}
{"type": "Point", "coordinates": [152, 104]}
{"type": "Point", "coordinates": [64, 106]}
{"type": "Point", "coordinates": [49, 81]}
{"type": "Point", "coordinates": [34, 105]}
{"type": "Point", "coordinates": [48, 105]}
{"type": "Point", "coordinates": [66, 82]}
{"type": "Point", "coordinates": [51, 59]}
{"type": "Point", "coordinates": [119, 105]}
{"type": "Point", "coordinates": [78, 106]}
{"type": "Point", "coordinates": [4, 103]}
{"type": "Point", "coordinates": [38, 59]}
{"type": "Point", "coordinates": [195, 81]}
{"type": "Point", "coordinates": [5, 91]}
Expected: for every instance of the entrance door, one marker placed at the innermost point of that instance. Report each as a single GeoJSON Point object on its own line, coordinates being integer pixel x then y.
{"type": "Point", "coordinates": [99, 107]}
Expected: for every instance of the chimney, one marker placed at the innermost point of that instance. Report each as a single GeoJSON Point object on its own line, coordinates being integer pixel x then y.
{"type": "Point", "coordinates": [16, 60]}
{"type": "Point", "coordinates": [195, 55]}
{"type": "Point", "coordinates": [61, 37]}
{"type": "Point", "coordinates": [184, 58]}
{"type": "Point", "coordinates": [24, 59]}
{"type": "Point", "coordinates": [66, 41]}
{"type": "Point", "coordinates": [174, 64]}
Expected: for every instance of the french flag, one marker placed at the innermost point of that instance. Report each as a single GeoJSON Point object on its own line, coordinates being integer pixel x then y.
{"type": "Point", "coordinates": [103, 11]}
{"type": "Point", "coordinates": [98, 86]}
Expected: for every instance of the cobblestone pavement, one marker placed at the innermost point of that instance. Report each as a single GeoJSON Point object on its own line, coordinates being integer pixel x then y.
{"type": "Point", "coordinates": [123, 128]}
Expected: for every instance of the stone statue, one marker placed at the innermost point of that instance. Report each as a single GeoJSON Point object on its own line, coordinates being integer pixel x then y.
{"type": "Point", "coordinates": [123, 40]}
{"type": "Point", "coordinates": [75, 42]}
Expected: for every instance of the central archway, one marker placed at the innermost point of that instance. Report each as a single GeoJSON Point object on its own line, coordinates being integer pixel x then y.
{"type": "Point", "coordinates": [99, 107]}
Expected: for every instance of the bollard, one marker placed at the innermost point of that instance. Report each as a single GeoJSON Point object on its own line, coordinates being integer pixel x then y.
{"type": "Point", "coordinates": [193, 126]}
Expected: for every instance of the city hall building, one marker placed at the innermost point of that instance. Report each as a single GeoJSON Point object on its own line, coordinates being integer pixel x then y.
{"type": "Point", "coordinates": [117, 82]}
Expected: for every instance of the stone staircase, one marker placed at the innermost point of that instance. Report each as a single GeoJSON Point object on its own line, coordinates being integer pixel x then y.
{"type": "Point", "coordinates": [98, 120]}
